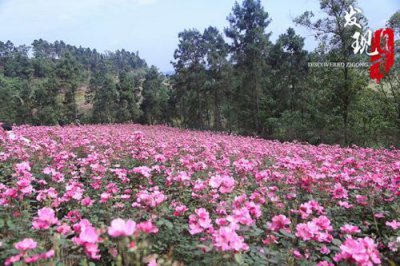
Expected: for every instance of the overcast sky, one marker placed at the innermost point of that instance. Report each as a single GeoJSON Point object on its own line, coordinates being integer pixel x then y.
{"type": "Point", "coordinates": [148, 26]}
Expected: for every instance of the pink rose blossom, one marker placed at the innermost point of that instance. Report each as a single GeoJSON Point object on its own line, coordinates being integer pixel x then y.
{"type": "Point", "coordinates": [120, 228]}
{"type": "Point", "coordinates": [350, 229]}
{"type": "Point", "coordinates": [279, 222]}
{"type": "Point", "coordinates": [26, 244]}
{"type": "Point", "coordinates": [361, 251]}
{"type": "Point", "coordinates": [46, 218]}
{"type": "Point", "coordinates": [393, 224]}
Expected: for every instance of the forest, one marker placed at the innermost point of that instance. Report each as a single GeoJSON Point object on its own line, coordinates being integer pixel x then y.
{"type": "Point", "coordinates": [235, 80]}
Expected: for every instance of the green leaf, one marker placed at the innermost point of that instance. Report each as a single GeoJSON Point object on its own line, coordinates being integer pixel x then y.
{"type": "Point", "coordinates": [168, 224]}
{"type": "Point", "coordinates": [336, 242]}
{"type": "Point", "coordinates": [10, 225]}
{"type": "Point", "coordinates": [283, 232]}
{"type": "Point", "coordinates": [239, 258]}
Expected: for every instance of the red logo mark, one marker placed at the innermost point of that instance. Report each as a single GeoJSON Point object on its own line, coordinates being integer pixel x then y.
{"type": "Point", "coordinates": [383, 42]}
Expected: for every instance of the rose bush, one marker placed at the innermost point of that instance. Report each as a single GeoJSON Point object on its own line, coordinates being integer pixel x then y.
{"type": "Point", "coordinates": [133, 195]}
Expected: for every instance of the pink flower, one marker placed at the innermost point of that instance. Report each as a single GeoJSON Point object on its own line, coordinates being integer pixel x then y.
{"type": "Point", "coordinates": [13, 259]}
{"type": "Point", "coordinates": [393, 224]}
{"type": "Point", "coordinates": [64, 229]}
{"type": "Point", "coordinates": [323, 223]}
{"type": "Point", "coordinates": [379, 215]}
{"type": "Point", "coordinates": [47, 255]}
{"type": "Point", "coordinates": [243, 216]}
{"type": "Point", "coordinates": [215, 181]}
{"type": "Point", "coordinates": [199, 221]}
{"type": "Point", "coordinates": [87, 202]}
{"type": "Point", "coordinates": [26, 244]}
{"type": "Point", "coordinates": [152, 262]}
{"type": "Point", "coordinates": [120, 227]}
{"type": "Point", "coordinates": [306, 231]}
{"type": "Point", "coordinates": [339, 192]}
{"type": "Point", "coordinates": [23, 167]}
{"type": "Point", "coordinates": [89, 234]}
{"type": "Point", "coordinates": [297, 254]}
{"type": "Point", "coordinates": [254, 209]}
{"type": "Point", "coordinates": [225, 183]}
{"type": "Point", "coordinates": [88, 238]}
{"type": "Point", "coordinates": [152, 198]}
{"type": "Point", "coordinates": [362, 200]}
{"type": "Point", "coordinates": [225, 238]}
{"type": "Point", "coordinates": [361, 251]}
{"type": "Point", "coordinates": [270, 239]}
{"type": "Point", "coordinates": [317, 230]}
{"type": "Point", "coordinates": [306, 209]}
{"type": "Point", "coordinates": [143, 170]}
{"type": "Point", "coordinates": [325, 263]}
{"type": "Point", "coordinates": [46, 218]}
{"type": "Point", "coordinates": [345, 204]}
{"type": "Point", "coordinates": [350, 229]}
{"type": "Point", "coordinates": [31, 259]}
{"type": "Point", "coordinates": [138, 135]}
{"type": "Point", "coordinates": [180, 210]}
{"type": "Point", "coordinates": [325, 250]}
{"type": "Point", "coordinates": [92, 250]}
{"type": "Point", "coordinates": [147, 227]}
{"type": "Point", "coordinates": [279, 222]}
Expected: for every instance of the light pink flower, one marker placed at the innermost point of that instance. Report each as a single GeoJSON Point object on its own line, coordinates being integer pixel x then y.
{"type": "Point", "coordinates": [199, 221]}
{"type": "Point", "coordinates": [362, 200]}
{"type": "Point", "coordinates": [393, 224]}
{"type": "Point", "coordinates": [325, 263]}
{"type": "Point", "coordinates": [325, 250]}
{"type": "Point", "coordinates": [279, 222]}
{"type": "Point", "coordinates": [225, 238]}
{"type": "Point", "coordinates": [143, 170]}
{"type": "Point", "coordinates": [361, 251]}
{"type": "Point", "coordinates": [64, 229]}
{"type": "Point", "coordinates": [26, 244]}
{"type": "Point", "coordinates": [120, 227]}
{"type": "Point", "coordinates": [11, 260]}
{"type": "Point", "coordinates": [151, 198]}
{"type": "Point", "coordinates": [152, 262]}
{"type": "Point", "coordinates": [147, 227]}
{"type": "Point", "coordinates": [339, 192]}
{"type": "Point", "coordinates": [87, 202]}
{"type": "Point", "coordinates": [46, 218]}
{"type": "Point", "coordinates": [345, 204]}
{"type": "Point", "coordinates": [350, 229]}
{"type": "Point", "coordinates": [180, 210]}
{"type": "Point", "coordinates": [318, 230]}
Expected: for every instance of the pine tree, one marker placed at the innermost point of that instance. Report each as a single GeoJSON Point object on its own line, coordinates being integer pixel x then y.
{"type": "Point", "coordinates": [250, 42]}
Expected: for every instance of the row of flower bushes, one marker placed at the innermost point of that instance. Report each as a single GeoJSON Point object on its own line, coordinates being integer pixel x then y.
{"type": "Point", "coordinates": [134, 195]}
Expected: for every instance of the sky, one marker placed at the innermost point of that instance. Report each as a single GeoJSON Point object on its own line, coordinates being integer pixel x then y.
{"type": "Point", "coordinates": [149, 26]}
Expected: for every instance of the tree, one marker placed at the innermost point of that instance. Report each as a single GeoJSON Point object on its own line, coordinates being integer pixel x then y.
{"type": "Point", "coordinates": [45, 102]}
{"type": "Point", "coordinates": [16, 62]}
{"type": "Point", "coordinates": [190, 77]}
{"type": "Point", "coordinates": [337, 40]}
{"type": "Point", "coordinates": [155, 97]}
{"type": "Point", "coordinates": [249, 45]}
{"type": "Point", "coordinates": [104, 102]}
{"type": "Point", "coordinates": [68, 73]}
{"type": "Point", "coordinates": [219, 73]}
{"type": "Point", "coordinates": [129, 100]}
{"type": "Point", "coordinates": [389, 87]}
{"type": "Point", "coordinates": [289, 69]}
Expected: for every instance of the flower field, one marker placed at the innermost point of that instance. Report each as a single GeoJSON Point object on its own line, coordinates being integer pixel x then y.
{"type": "Point", "coordinates": [138, 195]}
